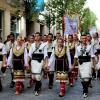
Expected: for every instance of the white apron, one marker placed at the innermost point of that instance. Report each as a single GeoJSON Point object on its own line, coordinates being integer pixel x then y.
{"type": "Point", "coordinates": [85, 70]}
{"type": "Point", "coordinates": [36, 67]}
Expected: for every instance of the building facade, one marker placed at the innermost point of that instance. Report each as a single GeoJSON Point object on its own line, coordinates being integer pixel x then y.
{"type": "Point", "coordinates": [10, 23]}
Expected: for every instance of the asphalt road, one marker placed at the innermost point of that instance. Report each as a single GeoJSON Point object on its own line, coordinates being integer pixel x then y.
{"type": "Point", "coordinates": [72, 93]}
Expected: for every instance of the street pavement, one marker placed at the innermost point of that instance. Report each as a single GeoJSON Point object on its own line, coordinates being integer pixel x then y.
{"type": "Point", "coordinates": [72, 93]}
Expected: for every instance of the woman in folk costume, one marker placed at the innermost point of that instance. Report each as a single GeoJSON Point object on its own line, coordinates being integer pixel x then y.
{"type": "Point", "coordinates": [28, 70]}
{"type": "Point", "coordinates": [71, 45]}
{"type": "Point", "coordinates": [17, 58]}
{"type": "Point", "coordinates": [61, 55]}
{"type": "Point", "coordinates": [37, 55]}
{"type": "Point", "coordinates": [83, 54]}
{"type": "Point", "coordinates": [3, 53]}
{"type": "Point", "coordinates": [77, 43]}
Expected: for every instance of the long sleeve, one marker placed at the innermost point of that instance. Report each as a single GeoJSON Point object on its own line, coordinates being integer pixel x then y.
{"type": "Point", "coordinates": [92, 53]}
{"type": "Point", "coordinates": [25, 56]}
{"type": "Point", "coordinates": [30, 52]}
{"type": "Point", "coordinates": [45, 52]}
{"type": "Point", "coordinates": [52, 58]}
{"type": "Point", "coordinates": [4, 50]}
{"type": "Point", "coordinates": [76, 53]}
{"type": "Point", "coordinates": [69, 57]}
{"type": "Point", "coordinates": [9, 62]}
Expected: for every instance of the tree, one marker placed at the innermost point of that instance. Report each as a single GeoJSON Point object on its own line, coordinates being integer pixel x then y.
{"type": "Point", "coordinates": [88, 19]}
{"type": "Point", "coordinates": [60, 7]}
{"type": "Point", "coordinates": [27, 10]}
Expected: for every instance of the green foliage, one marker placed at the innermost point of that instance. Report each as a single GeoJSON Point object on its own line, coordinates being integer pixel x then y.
{"type": "Point", "coordinates": [25, 9]}
{"type": "Point", "coordinates": [88, 19]}
{"type": "Point", "coordinates": [59, 7]}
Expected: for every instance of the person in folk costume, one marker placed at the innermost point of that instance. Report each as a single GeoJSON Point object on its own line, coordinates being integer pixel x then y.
{"type": "Point", "coordinates": [77, 43]}
{"type": "Point", "coordinates": [3, 69]}
{"type": "Point", "coordinates": [96, 43]}
{"type": "Point", "coordinates": [45, 39]}
{"type": "Point", "coordinates": [58, 35]}
{"type": "Point", "coordinates": [83, 54]}
{"type": "Point", "coordinates": [9, 45]}
{"type": "Point", "coordinates": [89, 38]}
{"type": "Point", "coordinates": [28, 39]}
{"type": "Point", "coordinates": [8, 39]}
{"type": "Point", "coordinates": [50, 45]}
{"type": "Point", "coordinates": [37, 55]}
{"type": "Point", "coordinates": [28, 70]}
{"type": "Point", "coordinates": [71, 45]}
{"type": "Point", "coordinates": [17, 58]}
{"type": "Point", "coordinates": [62, 58]}
{"type": "Point", "coordinates": [3, 53]}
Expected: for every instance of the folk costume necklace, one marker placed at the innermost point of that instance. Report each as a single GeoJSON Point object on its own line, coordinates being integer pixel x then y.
{"type": "Point", "coordinates": [37, 46]}
{"type": "Point", "coordinates": [19, 51]}
{"type": "Point", "coordinates": [83, 49]}
{"type": "Point", "coordinates": [71, 47]}
{"type": "Point", "coordinates": [60, 52]}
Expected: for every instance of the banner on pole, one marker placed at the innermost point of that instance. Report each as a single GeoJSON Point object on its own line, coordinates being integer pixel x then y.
{"type": "Point", "coordinates": [71, 24]}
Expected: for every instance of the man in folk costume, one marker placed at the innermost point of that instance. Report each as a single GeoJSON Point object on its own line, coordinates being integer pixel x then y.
{"type": "Point", "coordinates": [37, 55]}
{"type": "Point", "coordinates": [45, 39]}
{"type": "Point", "coordinates": [58, 35]}
{"type": "Point", "coordinates": [71, 45]}
{"type": "Point", "coordinates": [3, 53]}
{"type": "Point", "coordinates": [61, 55]}
{"type": "Point", "coordinates": [17, 59]}
{"type": "Point", "coordinates": [89, 38]}
{"type": "Point", "coordinates": [83, 54]}
{"type": "Point", "coordinates": [50, 45]}
{"type": "Point", "coordinates": [77, 43]}
{"type": "Point", "coordinates": [28, 70]}
{"type": "Point", "coordinates": [9, 45]}
{"type": "Point", "coordinates": [96, 43]}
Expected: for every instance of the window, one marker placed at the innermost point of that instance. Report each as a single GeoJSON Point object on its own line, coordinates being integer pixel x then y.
{"type": "Point", "coordinates": [14, 25]}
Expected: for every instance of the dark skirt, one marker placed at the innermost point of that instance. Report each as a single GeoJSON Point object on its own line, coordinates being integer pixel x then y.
{"type": "Point", "coordinates": [61, 68]}
{"type": "Point", "coordinates": [18, 71]}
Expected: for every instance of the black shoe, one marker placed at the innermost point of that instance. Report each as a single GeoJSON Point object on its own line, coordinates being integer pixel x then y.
{"type": "Point", "coordinates": [12, 84]}
{"type": "Point", "coordinates": [50, 86]}
{"type": "Point", "coordinates": [90, 85]}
